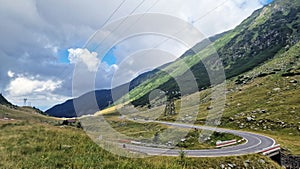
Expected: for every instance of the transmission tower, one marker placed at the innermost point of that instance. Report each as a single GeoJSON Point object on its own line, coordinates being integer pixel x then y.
{"type": "Point", "coordinates": [25, 100]}
{"type": "Point", "coordinates": [170, 108]}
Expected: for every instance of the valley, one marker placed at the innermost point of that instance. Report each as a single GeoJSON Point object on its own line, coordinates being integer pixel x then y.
{"type": "Point", "coordinates": [231, 101]}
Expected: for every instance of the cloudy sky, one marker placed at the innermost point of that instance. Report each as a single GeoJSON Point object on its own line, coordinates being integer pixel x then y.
{"type": "Point", "coordinates": [42, 41]}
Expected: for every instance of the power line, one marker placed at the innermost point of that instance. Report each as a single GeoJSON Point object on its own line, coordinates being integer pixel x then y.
{"type": "Point", "coordinates": [198, 19]}
{"type": "Point", "coordinates": [120, 5]}
{"type": "Point", "coordinates": [201, 17]}
{"type": "Point", "coordinates": [143, 14]}
{"type": "Point", "coordinates": [105, 22]}
{"type": "Point", "coordinates": [137, 20]}
{"type": "Point", "coordinates": [112, 14]}
{"type": "Point", "coordinates": [120, 24]}
{"type": "Point", "coordinates": [115, 11]}
{"type": "Point", "coordinates": [122, 21]}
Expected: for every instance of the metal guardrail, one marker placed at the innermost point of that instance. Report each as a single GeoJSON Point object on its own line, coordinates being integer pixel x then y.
{"type": "Point", "coordinates": [225, 143]}
{"type": "Point", "coordinates": [270, 150]}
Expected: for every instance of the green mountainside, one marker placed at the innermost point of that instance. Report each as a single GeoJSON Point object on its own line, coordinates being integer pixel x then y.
{"type": "Point", "coordinates": [267, 32]}
{"type": "Point", "coordinates": [264, 100]}
{"type": "Point", "coordinates": [261, 57]}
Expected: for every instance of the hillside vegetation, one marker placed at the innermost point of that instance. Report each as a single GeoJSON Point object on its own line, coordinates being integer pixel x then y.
{"type": "Point", "coordinates": [262, 64]}
{"type": "Point", "coordinates": [267, 32]}
{"type": "Point", "coordinates": [29, 140]}
{"type": "Point", "coordinates": [265, 100]}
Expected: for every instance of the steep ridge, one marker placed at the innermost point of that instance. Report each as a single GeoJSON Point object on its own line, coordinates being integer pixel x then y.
{"type": "Point", "coordinates": [268, 31]}
{"type": "Point", "coordinates": [3, 101]}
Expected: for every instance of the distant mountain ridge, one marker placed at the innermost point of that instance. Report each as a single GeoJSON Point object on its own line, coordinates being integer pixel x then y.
{"type": "Point", "coordinates": [4, 101]}
{"type": "Point", "coordinates": [105, 97]}
{"type": "Point", "coordinates": [267, 32]}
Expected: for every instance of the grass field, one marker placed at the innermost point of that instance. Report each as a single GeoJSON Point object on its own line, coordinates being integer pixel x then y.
{"type": "Point", "coordinates": [32, 140]}
{"type": "Point", "coordinates": [31, 144]}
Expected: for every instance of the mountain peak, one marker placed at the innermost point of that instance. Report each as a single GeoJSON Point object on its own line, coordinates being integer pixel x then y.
{"type": "Point", "coordinates": [3, 100]}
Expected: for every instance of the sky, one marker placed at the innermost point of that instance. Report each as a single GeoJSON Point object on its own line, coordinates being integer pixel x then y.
{"type": "Point", "coordinates": [42, 42]}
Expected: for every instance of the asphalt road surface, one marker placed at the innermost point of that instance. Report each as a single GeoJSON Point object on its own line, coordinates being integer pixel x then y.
{"type": "Point", "coordinates": [255, 143]}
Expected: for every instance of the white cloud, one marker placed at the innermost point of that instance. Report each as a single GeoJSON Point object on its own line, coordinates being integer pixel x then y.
{"type": "Point", "coordinates": [10, 74]}
{"type": "Point", "coordinates": [39, 92]}
{"type": "Point", "coordinates": [33, 37]}
{"type": "Point", "coordinates": [77, 56]}
{"type": "Point", "coordinates": [21, 86]}
{"type": "Point", "coordinates": [43, 100]}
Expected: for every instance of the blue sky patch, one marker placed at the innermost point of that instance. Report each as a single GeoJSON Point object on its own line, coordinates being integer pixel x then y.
{"type": "Point", "coordinates": [63, 56]}
{"type": "Point", "coordinates": [265, 2]}
{"type": "Point", "coordinates": [109, 58]}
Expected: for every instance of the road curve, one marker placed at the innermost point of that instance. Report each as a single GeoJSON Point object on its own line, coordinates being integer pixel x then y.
{"type": "Point", "coordinates": [255, 143]}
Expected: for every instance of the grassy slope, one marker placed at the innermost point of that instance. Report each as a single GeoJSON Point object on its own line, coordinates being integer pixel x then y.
{"type": "Point", "coordinates": [282, 118]}
{"type": "Point", "coordinates": [24, 113]}
{"type": "Point", "coordinates": [145, 133]}
{"type": "Point", "coordinates": [34, 142]}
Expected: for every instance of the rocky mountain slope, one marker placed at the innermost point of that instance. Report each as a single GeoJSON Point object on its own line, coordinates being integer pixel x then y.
{"type": "Point", "coordinates": [267, 32]}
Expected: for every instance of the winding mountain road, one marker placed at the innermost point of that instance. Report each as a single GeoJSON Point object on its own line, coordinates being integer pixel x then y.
{"type": "Point", "coordinates": [255, 143]}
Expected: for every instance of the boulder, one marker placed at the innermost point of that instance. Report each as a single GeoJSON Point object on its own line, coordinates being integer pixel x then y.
{"type": "Point", "coordinates": [261, 161]}
{"type": "Point", "coordinates": [276, 89]}
{"type": "Point", "coordinates": [246, 163]}
{"type": "Point", "coordinates": [231, 165]}
{"type": "Point", "coordinates": [249, 119]}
